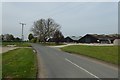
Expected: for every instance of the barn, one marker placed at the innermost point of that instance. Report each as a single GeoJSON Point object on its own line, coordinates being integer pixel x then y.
{"type": "Point", "coordinates": [94, 38]}
{"type": "Point", "coordinates": [88, 39]}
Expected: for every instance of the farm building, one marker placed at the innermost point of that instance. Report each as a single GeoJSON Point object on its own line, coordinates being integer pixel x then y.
{"type": "Point", "coordinates": [72, 39]}
{"type": "Point", "coordinates": [94, 38]}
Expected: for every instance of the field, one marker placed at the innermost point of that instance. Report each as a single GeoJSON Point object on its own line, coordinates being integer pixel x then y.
{"type": "Point", "coordinates": [19, 63]}
{"type": "Point", "coordinates": [105, 53]}
{"type": "Point", "coordinates": [18, 44]}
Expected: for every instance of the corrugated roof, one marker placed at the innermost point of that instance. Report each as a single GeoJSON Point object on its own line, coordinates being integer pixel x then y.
{"type": "Point", "coordinates": [74, 37]}
{"type": "Point", "coordinates": [104, 36]}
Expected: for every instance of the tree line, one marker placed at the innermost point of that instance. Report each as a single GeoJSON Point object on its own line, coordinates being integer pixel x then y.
{"type": "Point", "coordinates": [9, 37]}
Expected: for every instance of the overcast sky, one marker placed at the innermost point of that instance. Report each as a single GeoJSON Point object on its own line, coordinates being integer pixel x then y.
{"type": "Point", "coordinates": [75, 18]}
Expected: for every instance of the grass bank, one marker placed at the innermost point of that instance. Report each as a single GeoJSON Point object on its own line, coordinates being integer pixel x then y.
{"type": "Point", "coordinates": [18, 44]}
{"type": "Point", "coordinates": [0, 66]}
{"type": "Point", "coordinates": [19, 63]}
{"type": "Point", "coordinates": [105, 53]}
{"type": "Point", "coordinates": [51, 44]}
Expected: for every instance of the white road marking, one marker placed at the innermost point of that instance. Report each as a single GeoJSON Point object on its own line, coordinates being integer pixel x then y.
{"type": "Point", "coordinates": [82, 69]}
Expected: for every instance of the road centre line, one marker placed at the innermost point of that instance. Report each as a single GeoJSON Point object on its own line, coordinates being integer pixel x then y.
{"type": "Point", "coordinates": [82, 69]}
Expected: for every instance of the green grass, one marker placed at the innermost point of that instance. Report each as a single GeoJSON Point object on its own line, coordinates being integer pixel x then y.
{"type": "Point", "coordinates": [105, 53]}
{"type": "Point", "coordinates": [19, 63]}
{"type": "Point", "coordinates": [51, 44]}
{"type": "Point", "coordinates": [0, 66]}
{"type": "Point", "coordinates": [18, 44]}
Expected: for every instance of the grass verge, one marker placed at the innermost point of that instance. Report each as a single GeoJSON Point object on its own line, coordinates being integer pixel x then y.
{"type": "Point", "coordinates": [0, 66]}
{"type": "Point", "coordinates": [19, 63]}
{"type": "Point", "coordinates": [105, 53]}
{"type": "Point", "coordinates": [18, 44]}
{"type": "Point", "coordinates": [51, 44]}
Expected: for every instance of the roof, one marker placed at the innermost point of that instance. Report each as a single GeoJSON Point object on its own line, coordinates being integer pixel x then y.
{"type": "Point", "coordinates": [74, 37]}
{"type": "Point", "coordinates": [103, 36]}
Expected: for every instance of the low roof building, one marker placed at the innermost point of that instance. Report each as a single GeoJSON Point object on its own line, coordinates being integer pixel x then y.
{"type": "Point", "coordinates": [95, 38]}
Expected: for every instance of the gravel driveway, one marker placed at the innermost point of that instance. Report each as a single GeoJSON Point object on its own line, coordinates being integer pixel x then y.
{"type": "Point", "coordinates": [5, 49]}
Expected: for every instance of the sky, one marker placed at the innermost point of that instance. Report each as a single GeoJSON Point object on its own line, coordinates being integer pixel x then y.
{"type": "Point", "coordinates": [75, 18]}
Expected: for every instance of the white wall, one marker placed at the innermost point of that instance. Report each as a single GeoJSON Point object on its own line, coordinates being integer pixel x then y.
{"type": "Point", "coordinates": [116, 42]}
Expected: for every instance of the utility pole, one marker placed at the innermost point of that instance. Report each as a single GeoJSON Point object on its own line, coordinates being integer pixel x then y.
{"type": "Point", "coordinates": [22, 37]}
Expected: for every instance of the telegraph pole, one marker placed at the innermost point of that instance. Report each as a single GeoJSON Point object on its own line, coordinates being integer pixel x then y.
{"type": "Point", "coordinates": [22, 37]}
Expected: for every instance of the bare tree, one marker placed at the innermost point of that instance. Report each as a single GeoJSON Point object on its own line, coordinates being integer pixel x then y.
{"type": "Point", "coordinates": [45, 29]}
{"type": "Point", "coordinates": [58, 37]}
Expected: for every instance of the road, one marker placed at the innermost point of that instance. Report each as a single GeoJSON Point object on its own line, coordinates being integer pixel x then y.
{"type": "Point", "coordinates": [59, 64]}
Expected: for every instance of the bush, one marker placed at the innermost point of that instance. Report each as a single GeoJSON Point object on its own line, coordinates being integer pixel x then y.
{"type": "Point", "coordinates": [34, 40]}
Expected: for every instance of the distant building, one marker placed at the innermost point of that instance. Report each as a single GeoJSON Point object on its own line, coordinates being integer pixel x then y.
{"type": "Point", "coordinates": [94, 38]}
{"type": "Point", "coordinates": [72, 39]}
{"type": "Point", "coordinates": [50, 40]}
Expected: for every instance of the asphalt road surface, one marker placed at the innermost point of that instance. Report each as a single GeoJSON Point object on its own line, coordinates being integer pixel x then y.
{"type": "Point", "coordinates": [59, 64]}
